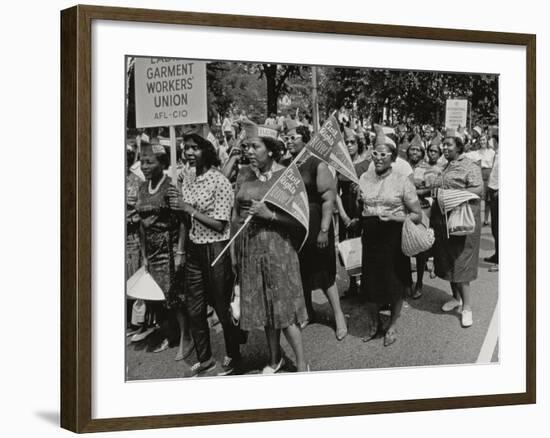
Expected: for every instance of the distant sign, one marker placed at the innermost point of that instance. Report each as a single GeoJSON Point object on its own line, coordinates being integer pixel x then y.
{"type": "Point", "coordinates": [456, 113]}
{"type": "Point", "coordinates": [169, 92]}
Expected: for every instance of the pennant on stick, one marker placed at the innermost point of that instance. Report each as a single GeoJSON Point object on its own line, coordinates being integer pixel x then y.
{"type": "Point", "coordinates": [289, 194]}
{"type": "Point", "coordinates": [328, 145]}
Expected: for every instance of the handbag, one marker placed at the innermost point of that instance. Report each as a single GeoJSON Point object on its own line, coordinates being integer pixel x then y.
{"type": "Point", "coordinates": [350, 252]}
{"type": "Point", "coordinates": [461, 220]}
{"type": "Point", "coordinates": [416, 238]}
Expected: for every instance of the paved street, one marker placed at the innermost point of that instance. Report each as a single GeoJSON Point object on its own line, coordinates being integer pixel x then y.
{"type": "Point", "coordinates": [426, 335]}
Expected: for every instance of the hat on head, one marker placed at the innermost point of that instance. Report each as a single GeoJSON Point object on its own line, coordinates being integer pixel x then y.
{"type": "Point", "coordinates": [252, 130]}
{"type": "Point", "coordinates": [382, 138]}
{"type": "Point", "coordinates": [478, 130]}
{"type": "Point", "coordinates": [452, 132]}
{"type": "Point", "coordinates": [417, 141]}
{"type": "Point", "coordinates": [291, 125]}
{"type": "Point", "coordinates": [349, 133]}
{"type": "Point", "coordinates": [156, 146]}
{"type": "Point", "coordinates": [437, 140]}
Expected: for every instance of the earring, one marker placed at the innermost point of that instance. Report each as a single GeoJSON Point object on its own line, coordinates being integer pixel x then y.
{"type": "Point", "coordinates": [270, 154]}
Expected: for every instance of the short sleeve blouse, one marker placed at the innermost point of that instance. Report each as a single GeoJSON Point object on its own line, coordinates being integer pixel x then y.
{"type": "Point", "coordinates": [386, 194]}
{"type": "Point", "coordinates": [461, 173]}
{"type": "Point", "coordinates": [210, 194]}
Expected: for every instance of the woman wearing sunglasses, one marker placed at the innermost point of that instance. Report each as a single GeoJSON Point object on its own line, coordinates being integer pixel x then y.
{"type": "Point", "coordinates": [387, 198]}
{"type": "Point", "coordinates": [318, 256]}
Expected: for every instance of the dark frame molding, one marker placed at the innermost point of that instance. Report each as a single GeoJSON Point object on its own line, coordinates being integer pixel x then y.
{"type": "Point", "coordinates": [76, 224]}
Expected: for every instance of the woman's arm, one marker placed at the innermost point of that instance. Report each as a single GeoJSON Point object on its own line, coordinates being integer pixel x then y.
{"type": "Point", "coordinates": [177, 205]}
{"type": "Point", "coordinates": [180, 251]}
{"type": "Point", "coordinates": [474, 180]}
{"type": "Point", "coordinates": [341, 211]}
{"type": "Point", "coordinates": [412, 204]}
{"type": "Point", "coordinates": [326, 187]}
{"type": "Point", "coordinates": [261, 211]}
{"type": "Point", "coordinates": [142, 246]}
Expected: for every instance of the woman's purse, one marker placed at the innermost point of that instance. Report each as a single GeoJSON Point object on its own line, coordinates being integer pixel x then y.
{"type": "Point", "coordinates": [461, 220]}
{"type": "Point", "coordinates": [416, 239]}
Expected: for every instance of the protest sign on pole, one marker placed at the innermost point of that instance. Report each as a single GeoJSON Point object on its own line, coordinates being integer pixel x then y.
{"type": "Point", "coordinates": [170, 92]}
{"type": "Point", "coordinates": [456, 113]}
{"type": "Point", "coordinates": [328, 145]}
{"type": "Point", "coordinates": [289, 194]}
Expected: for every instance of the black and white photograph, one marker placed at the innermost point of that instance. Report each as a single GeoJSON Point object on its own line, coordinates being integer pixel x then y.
{"type": "Point", "coordinates": [286, 218]}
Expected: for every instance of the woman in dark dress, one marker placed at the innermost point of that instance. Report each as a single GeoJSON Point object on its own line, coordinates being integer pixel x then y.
{"type": "Point", "coordinates": [387, 197]}
{"type": "Point", "coordinates": [346, 199]}
{"type": "Point", "coordinates": [318, 256]}
{"type": "Point", "coordinates": [456, 258]}
{"type": "Point", "coordinates": [159, 235]}
{"type": "Point", "coordinates": [265, 257]}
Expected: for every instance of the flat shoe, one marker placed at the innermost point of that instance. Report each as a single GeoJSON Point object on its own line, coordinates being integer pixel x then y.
{"type": "Point", "coordinates": [467, 318]}
{"type": "Point", "coordinates": [341, 334]}
{"type": "Point", "coordinates": [451, 305]}
{"type": "Point", "coordinates": [389, 338]}
{"type": "Point", "coordinates": [186, 352]}
{"type": "Point", "coordinates": [163, 346]}
{"type": "Point", "coordinates": [417, 294]}
{"type": "Point", "coordinates": [141, 336]}
{"type": "Point", "coordinates": [270, 370]}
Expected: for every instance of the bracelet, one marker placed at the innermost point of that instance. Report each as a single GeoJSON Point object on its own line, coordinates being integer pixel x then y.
{"type": "Point", "coordinates": [180, 253]}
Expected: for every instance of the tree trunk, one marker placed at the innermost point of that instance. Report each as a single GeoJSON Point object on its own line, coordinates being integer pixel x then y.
{"type": "Point", "coordinates": [272, 95]}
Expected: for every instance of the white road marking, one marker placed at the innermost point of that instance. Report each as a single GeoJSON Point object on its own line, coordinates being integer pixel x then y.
{"type": "Point", "coordinates": [491, 338]}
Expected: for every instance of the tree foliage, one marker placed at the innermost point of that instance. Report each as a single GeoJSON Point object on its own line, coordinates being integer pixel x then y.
{"type": "Point", "coordinates": [416, 95]}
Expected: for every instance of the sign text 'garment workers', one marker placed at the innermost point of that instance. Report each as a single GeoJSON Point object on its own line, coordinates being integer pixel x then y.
{"type": "Point", "coordinates": [170, 92]}
{"type": "Point", "coordinates": [456, 113]}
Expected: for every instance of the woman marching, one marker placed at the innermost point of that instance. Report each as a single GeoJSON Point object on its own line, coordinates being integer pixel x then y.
{"type": "Point", "coordinates": [318, 256]}
{"type": "Point", "coordinates": [265, 256]}
{"type": "Point", "coordinates": [205, 201]}
{"type": "Point", "coordinates": [159, 237]}
{"type": "Point", "coordinates": [456, 257]}
{"type": "Point", "coordinates": [415, 156]}
{"type": "Point", "coordinates": [387, 198]}
{"type": "Point", "coordinates": [346, 199]}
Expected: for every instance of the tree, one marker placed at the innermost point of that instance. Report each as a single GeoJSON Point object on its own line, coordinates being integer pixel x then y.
{"type": "Point", "coordinates": [276, 76]}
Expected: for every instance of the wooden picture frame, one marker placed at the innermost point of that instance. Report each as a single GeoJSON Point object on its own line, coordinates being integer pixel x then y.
{"type": "Point", "coordinates": [76, 217]}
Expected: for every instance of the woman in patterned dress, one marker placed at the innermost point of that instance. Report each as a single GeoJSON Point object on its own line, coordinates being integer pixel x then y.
{"type": "Point", "coordinates": [387, 197]}
{"type": "Point", "coordinates": [456, 257]}
{"type": "Point", "coordinates": [265, 257]}
{"type": "Point", "coordinates": [159, 234]}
